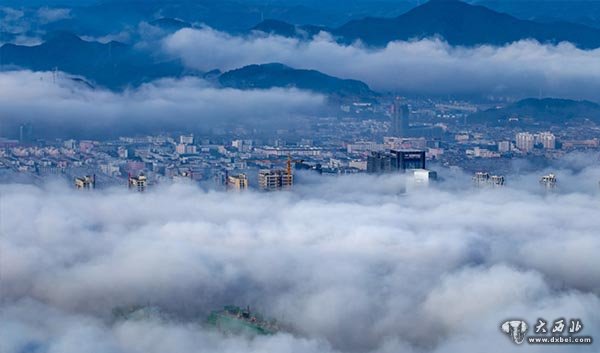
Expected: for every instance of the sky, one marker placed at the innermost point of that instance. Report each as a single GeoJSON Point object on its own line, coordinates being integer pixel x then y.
{"type": "Point", "coordinates": [348, 264]}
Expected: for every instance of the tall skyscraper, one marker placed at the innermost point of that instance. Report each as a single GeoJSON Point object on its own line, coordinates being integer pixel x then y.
{"type": "Point", "coordinates": [400, 119]}
{"type": "Point", "coordinates": [408, 159]}
{"type": "Point", "coordinates": [395, 161]}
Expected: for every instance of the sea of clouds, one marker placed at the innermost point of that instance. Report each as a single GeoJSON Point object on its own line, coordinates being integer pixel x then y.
{"type": "Point", "coordinates": [348, 264]}
{"type": "Point", "coordinates": [427, 66]}
{"type": "Point", "coordinates": [69, 106]}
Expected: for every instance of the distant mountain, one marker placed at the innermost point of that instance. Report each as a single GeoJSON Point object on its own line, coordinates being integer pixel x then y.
{"type": "Point", "coordinates": [457, 22]}
{"type": "Point", "coordinates": [102, 17]}
{"type": "Point", "coordinates": [170, 24]}
{"type": "Point", "coordinates": [278, 75]}
{"type": "Point", "coordinates": [584, 12]}
{"type": "Point", "coordinates": [113, 65]}
{"type": "Point", "coordinates": [547, 110]}
{"type": "Point", "coordinates": [288, 30]}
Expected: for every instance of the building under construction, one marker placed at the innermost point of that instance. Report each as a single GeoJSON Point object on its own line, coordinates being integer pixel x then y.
{"type": "Point", "coordinates": [549, 181]}
{"type": "Point", "coordinates": [483, 179]}
{"type": "Point", "coordinates": [233, 319]}
{"type": "Point", "coordinates": [85, 183]}
{"type": "Point", "coordinates": [139, 183]}
{"type": "Point", "coordinates": [276, 179]}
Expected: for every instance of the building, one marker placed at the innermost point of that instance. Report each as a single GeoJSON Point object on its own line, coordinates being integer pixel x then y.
{"type": "Point", "coordinates": [364, 146]}
{"type": "Point", "coordinates": [424, 176]}
{"type": "Point", "coordinates": [138, 183]}
{"type": "Point", "coordinates": [395, 161]}
{"type": "Point", "coordinates": [86, 182]}
{"type": "Point", "coordinates": [484, 179]}
{"type": "Point", "coordinates": [525, 141]}
{"type": "Point", "coordinates": [358, 164]}
{"type": "Point", "coordinates": [408, 159]}
{"type": "Point", "coordinates": [379, 162]}
{"type": "Point", "coordinates": [85, 146]}
{"type": "Point", "coordinates": [275, 179]}
{"type": "Point", "coordinates": [400, 119]}
{"type": "Point", "coordinates": [25, 132]}
{"type": "Point", "coordinates": [548, 181]}
{"type": "Point", "coordinates": [185, 149]}
{"type": "Point", "coordinates": [547, 140]}
{"type": "Point", "coordinates": [481, 178]}
{"type": "Point", "coordinates": [186, 139]}
{"type": "Point", "coordinates": [497, 180]}
{"type": "Point", "coordinates": [237, 182]}
{"type": "Point", "coordinates": [504, 146]}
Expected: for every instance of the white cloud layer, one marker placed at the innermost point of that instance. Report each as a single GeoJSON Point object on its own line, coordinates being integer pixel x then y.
{"type": "Point", "coordinates": [168, 103]}
{"type": "Point", "coordinates": [430, 66]}
{"type": "Point", "coordinates": [351, 264]}
{"type": "Point", "coordinates": [49, 15]}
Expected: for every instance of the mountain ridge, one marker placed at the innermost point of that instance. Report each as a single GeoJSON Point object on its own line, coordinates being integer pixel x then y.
{"type": "Point", "coordinates": [264, 76]}
{"type": "Point", "coordinates": [457, 22]}
{"type": "Point", "coordinates": [539, 110]}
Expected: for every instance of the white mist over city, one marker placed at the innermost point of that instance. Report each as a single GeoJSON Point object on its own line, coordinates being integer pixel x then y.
{"type": "Point", "coordinates": [299, 176]}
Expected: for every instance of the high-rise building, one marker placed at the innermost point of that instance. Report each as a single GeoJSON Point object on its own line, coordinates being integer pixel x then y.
{"type": "Point", "coordinates": [138, 183]}
{"type": "Point", "coordinates": [400, 119]}
{"type": "Point", "coordinates": [379, 162]}
{"type": "Point", "coordinates": [237, 182]}
{"type": "Point", "coordinates": [497, 180]}
{"type": "Point", "coordinates": [525, 141]}
{"type": "Point", "coordinates": [547, 139]}
{"type": "Point", "coordinates": [395, 161]}
{"type": "Point", "coordinates": [86, 182]}
{"type": "Point", "coordinates": [275, 179]}
{"type": "Point", "coordinates": [484, 179]}
{"type": "Point", "coordinates": [549, 181]}
{"type": "Point", "coordinates": [423, 176]}
{"type": "Point", "coordinates": [408, 159]}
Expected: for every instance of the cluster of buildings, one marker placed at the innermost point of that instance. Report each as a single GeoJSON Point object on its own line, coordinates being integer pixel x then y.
{"type": "Point", "coordinates": [526, 141]}
{"type": "Point", "coordinates": [402, 135]}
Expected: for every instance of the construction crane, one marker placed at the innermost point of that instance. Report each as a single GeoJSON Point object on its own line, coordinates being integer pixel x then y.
{"type": "Point", "coordinates": [289, 162]}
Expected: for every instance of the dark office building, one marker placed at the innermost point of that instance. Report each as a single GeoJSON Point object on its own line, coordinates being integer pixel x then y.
{"type": "Point", "coordinates": [408, 159]}
{"type": "Point", "coordinates": [400, 119]}
{"type": "Point", "coordinates": [395, 161]}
